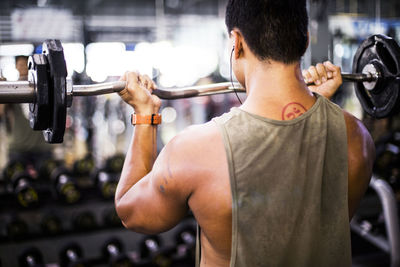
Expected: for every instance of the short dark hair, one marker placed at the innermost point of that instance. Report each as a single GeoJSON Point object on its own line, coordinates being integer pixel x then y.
{"type": "Point", "coordinates": [273, 29]}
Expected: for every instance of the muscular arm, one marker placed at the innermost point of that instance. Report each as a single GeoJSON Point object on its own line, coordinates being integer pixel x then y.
{"type": "Point", "coordinates": [150, 199]}
{"type": "Point", "coordinates": [147, 198]}
{"type": "Point", "coordinates": [361, 155]}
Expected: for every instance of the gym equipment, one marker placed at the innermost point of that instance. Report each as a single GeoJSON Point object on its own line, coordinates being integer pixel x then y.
{"type": "Point", "coordinates": [17, 229]}
{"type": "Point", "coordinates": [186, 246]}
{"type": "Point", "coordinates": [379, 56]}
{"type": "Point", "coordinates": [376, 70]}
{"type": "Point", "coordinates": [31, 257]}
{"type": "Point", "coordinates": [111, 219]}
{"type": "Point", "coordinates": [65, 187]}
{"type": "Point", "coordinates": [150, 249]}
{"type": "Point", "coordinates": [84, 166]}
{"type": "Point", "coordinates": [72, 256]}
{"type": "Point", "coordinates": [24, 190]}
{"type": "Point", "coordinates": [113, 252]}
{"type": "Point", "coordinates": [85, 221]}
{"type": "Point", "coordinates": [22, 183]}
{"type": "Point", "coordinates": [115, 163]}
{"type": "Point", "coordinates": [186, 237]}
{"type": "Point", "coordinates": [51, 225]}
{"type": "Point", "coordinates": [387, 163]}
{"type": "Point", "coordinates": [391, 244]}
{"type": "Point", "coordinates": [107, 183]}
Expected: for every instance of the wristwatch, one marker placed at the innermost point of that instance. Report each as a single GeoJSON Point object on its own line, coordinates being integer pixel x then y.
{"type": "Point", "coordinates": [153, 119]}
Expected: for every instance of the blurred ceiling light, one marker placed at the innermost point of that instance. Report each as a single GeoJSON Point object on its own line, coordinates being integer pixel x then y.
{"type": "Point", "coordinates": [16, 49]}
{"type": "Point", "coordinates": [105, 59]}
{"type": "Point", "coordinates": [117, 127]}
{"type": "Point", "coordinates": [10, 73]}
{"type": "Point", "coordinates": [141, 59]}
{"type": "Point", "coordinates": [168, 114]}
{"type": "Point", "coordinates": [184, 65]}
{"type": "Point", "coordinates": [339, 50]}
{"type": "Point", "coordinates": [74, 57]}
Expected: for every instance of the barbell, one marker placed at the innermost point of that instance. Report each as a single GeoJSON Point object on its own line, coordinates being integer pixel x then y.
{"type": "Point", "coordinates": [376, 73]}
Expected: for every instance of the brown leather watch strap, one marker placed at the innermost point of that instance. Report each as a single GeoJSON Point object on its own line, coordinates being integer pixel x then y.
{"type": "Point", "coordinates": [153, 119]}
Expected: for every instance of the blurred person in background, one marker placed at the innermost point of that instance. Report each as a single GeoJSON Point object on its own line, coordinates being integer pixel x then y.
{"type": "Point", "coordinates": [23, 142]}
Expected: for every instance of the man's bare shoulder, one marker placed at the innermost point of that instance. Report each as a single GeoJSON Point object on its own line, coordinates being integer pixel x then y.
{"type": "Point", "coordinates": [361, 155]}
{"type": "Point", "coordinates": [195, 151]}
{"type": "Point", "coordinates": [196, 139]}
{"type": "Point", "coordinates": [359, 139]}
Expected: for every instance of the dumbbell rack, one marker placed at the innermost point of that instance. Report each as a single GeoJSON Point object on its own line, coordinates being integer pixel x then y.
{"type": "Point", "coordinates": [91, 240]}
{"type": "Point", "coordinates": [391, 243]}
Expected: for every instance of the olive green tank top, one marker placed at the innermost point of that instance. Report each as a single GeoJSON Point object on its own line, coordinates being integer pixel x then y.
{"type": "Point", "coordinates": [289, 188]}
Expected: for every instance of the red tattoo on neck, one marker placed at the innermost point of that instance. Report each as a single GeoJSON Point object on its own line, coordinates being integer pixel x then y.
{"type": "Point", "coordinates": [292, 111]}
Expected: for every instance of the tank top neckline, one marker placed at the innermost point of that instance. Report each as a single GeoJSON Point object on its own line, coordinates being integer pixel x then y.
{"type": "Point", "coordinates": [287, 122]}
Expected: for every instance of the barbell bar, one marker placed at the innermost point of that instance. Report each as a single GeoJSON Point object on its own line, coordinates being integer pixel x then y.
{"type": "Point", "coordinates": [24, 91]}
{"type": "Point", "coordinates": [376, 72]}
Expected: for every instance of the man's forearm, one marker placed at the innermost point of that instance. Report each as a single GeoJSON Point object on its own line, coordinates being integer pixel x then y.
{"type": "Point", "coordinates": [139, 158]}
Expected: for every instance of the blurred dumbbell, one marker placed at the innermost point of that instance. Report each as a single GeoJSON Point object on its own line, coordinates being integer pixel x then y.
{"type": "Point", "coordinates": [84, 167]}
{"type": "Point", "coordinates": [64, 184]}
{"type": "Point", "coordinates": [115, 163]}
{"type": "Point", "coordinates": [17, 229]}
{"type": "Point", "coordinates": [113, 252]}
{"type": "Point", "coordinates": [51, 224]}
{"type": "Point", "coordinates": [15, 166]}
{"type": "Point", "coordinates": [85, 221]}
{"type": "Point", "coordinates": [107, 183]}
{"type": "Point", "coordinates": [72, 256]}
{"type": "Point", "coordinates": [17, 174]}
{"type": "Point", "coordinates": [111, 219]}
{"type": "Point", "coordinates": [151, 250]}
{"type": "Point", "coordinates": [24, 190]}
{"type": "Point", "coordinates": [186, 245]}
{"type": "Point", "coordinates": [31, 257]}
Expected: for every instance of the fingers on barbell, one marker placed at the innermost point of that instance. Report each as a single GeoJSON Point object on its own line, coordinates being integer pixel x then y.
{"type": "Point", "coordinates": [332, 70]}
{"type": "Point", "coordinates": [147, 82]}
{"type": "Point", "coordinates": [314, 75]}
{"type": "Point", "coordinates": [132, 79]}
{"type": "Point", "coordinates": [322, 72]}
{"type": "Point", "coordinates": [336, 72]}
{"type": "Point", "coordinates": [307, 76]}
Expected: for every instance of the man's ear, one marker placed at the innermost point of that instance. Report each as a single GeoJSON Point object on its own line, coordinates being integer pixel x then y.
{"type": "Point", "coordinates": [237, 43]}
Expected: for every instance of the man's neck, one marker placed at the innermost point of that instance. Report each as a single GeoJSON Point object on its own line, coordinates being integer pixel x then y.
{"type": "Point", "coordinates": [271, 86]}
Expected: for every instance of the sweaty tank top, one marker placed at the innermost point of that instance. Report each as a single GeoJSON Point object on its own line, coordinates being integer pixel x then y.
{"type": "Point", "coordinates": [289, 188]}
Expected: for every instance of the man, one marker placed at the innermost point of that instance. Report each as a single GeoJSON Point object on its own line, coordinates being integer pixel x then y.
{"type": "Point", "coordinates": [272, 183]}
{"type": "Point", "coordinates": [23, 142]}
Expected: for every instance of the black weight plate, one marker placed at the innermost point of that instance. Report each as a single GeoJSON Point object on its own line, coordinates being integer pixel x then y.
{"type": "Point", "coordinates": [58, 98]}
{"type": "Point", "coordinates": [39, 115]}
{"type": "Point", "coordinates": [384, 53]}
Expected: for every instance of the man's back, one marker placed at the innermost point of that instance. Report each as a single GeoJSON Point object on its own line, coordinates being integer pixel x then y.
{"type": "Point", "coordinates": [211, 200]}
{"type": "Point", "coordinates": [285, 178]}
